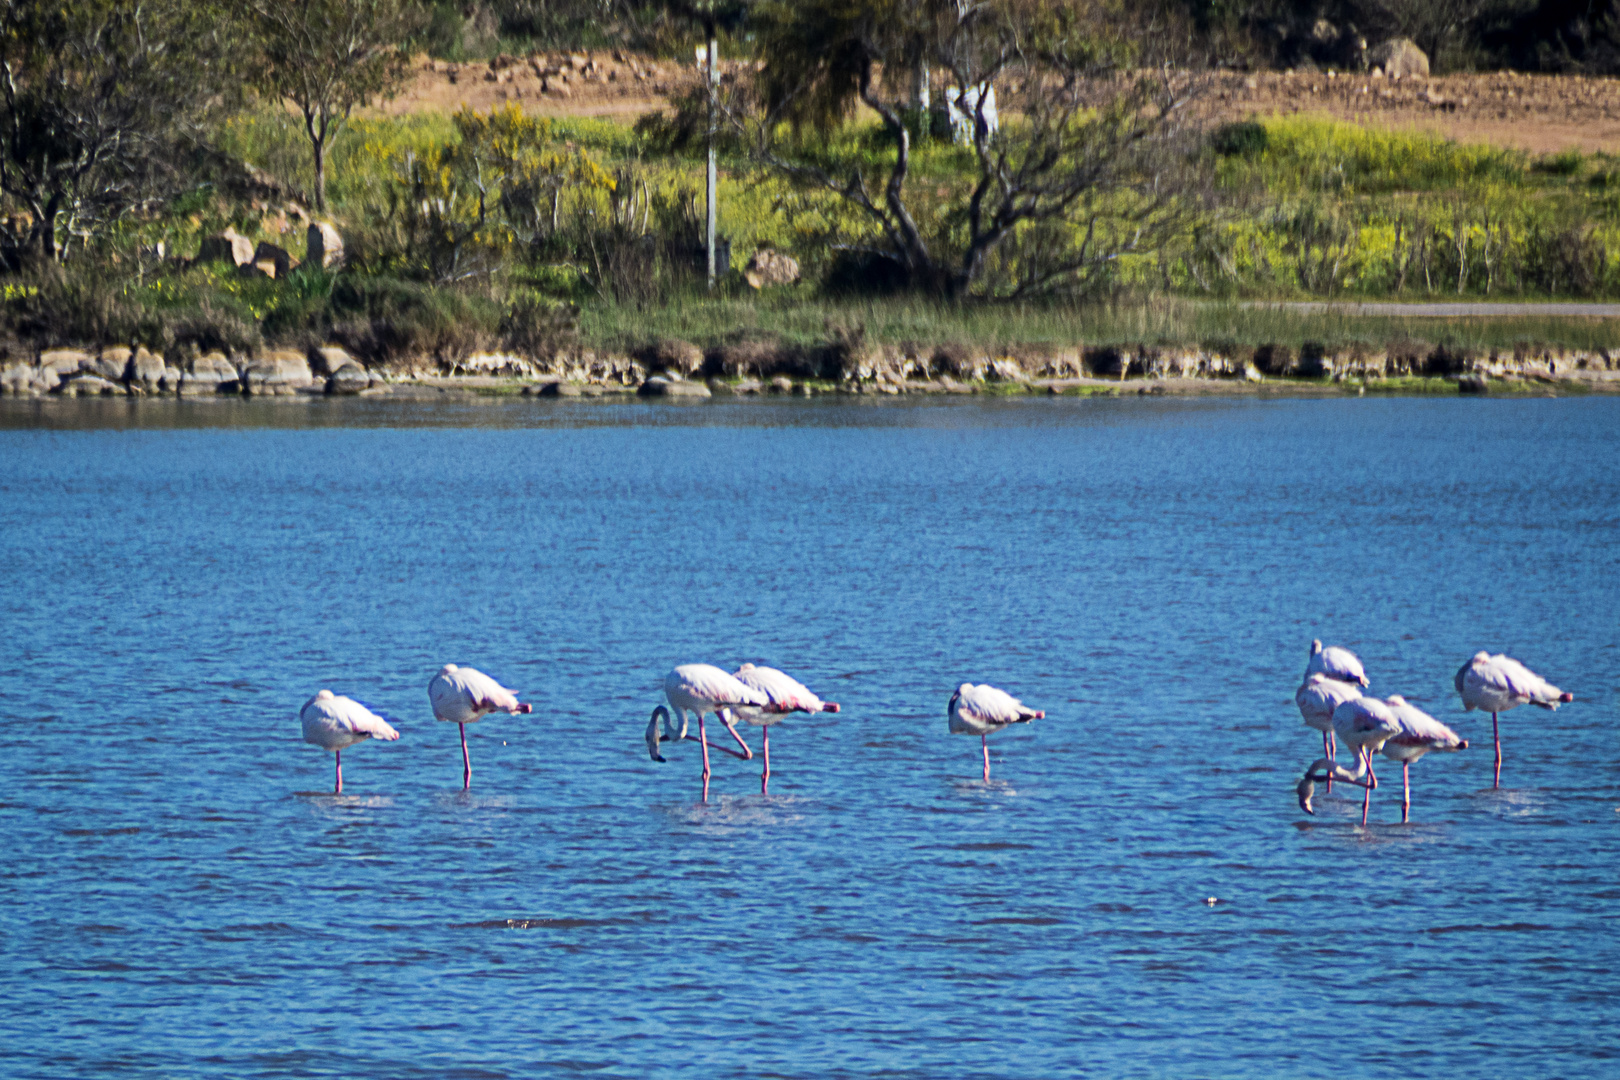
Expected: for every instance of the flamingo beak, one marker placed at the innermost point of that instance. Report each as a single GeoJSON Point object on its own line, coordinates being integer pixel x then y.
{"type": "Point", "coordinates": [829, 706]}
{"type": "Point", "coordinates": [1463, 745]}
{"type": "Point", "coordinates": [1305, 790]}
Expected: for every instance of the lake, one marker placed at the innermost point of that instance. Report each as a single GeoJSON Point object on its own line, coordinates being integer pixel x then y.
{"type": "Point", "coordinates": [181, 895]}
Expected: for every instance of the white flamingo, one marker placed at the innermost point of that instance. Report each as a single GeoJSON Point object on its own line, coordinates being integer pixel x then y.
{"type": "Point", "coordinates": [981, 710]}
{"type": "Point", "coordinates": [464, 695]}
{"type": "Point", "coordinates": [1363, 724]}
{"type": "Point", "coordinates": [1495, 684]}
{"type": "Point", "coordinates": [1317, 697]}
{"type": "Point", "coordinates": [1336, 662]}
{"type": "Point", "coordinates": [786, 694]}
{"type": "Point", "coordinates": [335, 723]}
{"type": "Point", "coordinates": [1419, 734]}
{"type": "Point", "coordinates": [702, 689]}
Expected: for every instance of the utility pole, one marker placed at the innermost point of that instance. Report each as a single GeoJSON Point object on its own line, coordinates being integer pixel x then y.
{"type": "Point", "coordinates": [711, 54]}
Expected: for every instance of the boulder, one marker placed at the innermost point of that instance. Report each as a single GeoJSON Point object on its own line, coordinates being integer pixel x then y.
{"type": "Point", "coordinates": [145, 370]}
{"type": "Point", "coordinates": [16, 379]}
{"type": "Point", "coordinates": [329, 360]}
{"type": "Point", "coordinates": [230, 245]}
{"type": "Point", "coordinates": [112, 362]}
{"type": "Point", "coordinates": [210, 374]}
{"type": "Point", "coordinates": [171, 379]}
{"type": "Point", "coordinates": [768, 268]}
{"type": "Point", "coordinates": [1399, 57]}
{"type": "Point", "coordinates": [781, 385]}
{"type": "Point", "coordinates": [66, 361]}
{"type": "Point", "coordinates": [351, 378]}
{"type": "Point", "coordinates": [560, 389]}
{"type": "Point", "coordinates": [88, 386]}
{"type": "Point", "coordinates": [277, 373]}
{"type": "Point", "coordinates": [281, 263]}
{"type": "Point", "coordinates": [657, 386]}
{"type": "Point", "coordinates": [1472, 384]}
{"type": "Point", "coordinates": [324, 247]}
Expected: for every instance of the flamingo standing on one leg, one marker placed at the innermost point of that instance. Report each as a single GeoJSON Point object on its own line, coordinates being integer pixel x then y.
{"type": "Point", "coordinates": [1419, 734]}
{"type": "Point", "coordinates": [1495, 684]}
{"type": "Point", "coordinates": [464, 695]}
{"type": "Point", "coordinates": [1317, 697]}
{"type": "Point", "coordinates": [981, 710]}
{"type": "Point", "coordinates": [1363, 724]}
{"type": "Point", "coordinates": [336, 723]}
{"type": "Point", "coordinates": [786, 694]}
{"type": "Point", "coordinates": [1336, 662]}
{"type": "Point", "coordinates": [702, 689]}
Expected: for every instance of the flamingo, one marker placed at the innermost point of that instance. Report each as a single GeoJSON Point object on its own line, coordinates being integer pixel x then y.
{"type": "Point", "coordinates": [786, 694]}
{"type": "Point", "coordinates": [980, 710]}
{"type": "Point", "coordinates": [1317, 697]}
{"type": "Point", "coordinates": [464, 695]}
{"type": "Point", "coordinates": [702, 689]}
{"type": "Point", "coordinates": [1419, 734]}
{"type": "Point", "coordinates": [336, 723]}
{"type": "Point", "coordinates": [1363, 724]}
{"type": "Point", "coordinates": [1336, 662]}
{"type": "Point", "coordinates": [1495, 684]}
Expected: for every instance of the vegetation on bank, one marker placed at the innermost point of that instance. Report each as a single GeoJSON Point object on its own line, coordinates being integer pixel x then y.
{"type": "Point", "coordinates": [1093, 214]}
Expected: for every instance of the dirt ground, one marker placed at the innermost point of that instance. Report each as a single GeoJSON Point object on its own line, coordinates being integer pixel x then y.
{"type": "Point", "coordinates": [1538, 113]}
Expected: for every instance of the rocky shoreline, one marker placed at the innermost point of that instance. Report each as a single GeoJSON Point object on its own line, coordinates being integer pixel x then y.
{"type": "Point", "coordinates": [675, 369]}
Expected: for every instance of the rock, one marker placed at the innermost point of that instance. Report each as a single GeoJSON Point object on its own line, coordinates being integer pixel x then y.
{"type": "Point", "coordinates": [768, 268]}
{"type": "Point", "coordinates": [1400, 57]}
{"type": "Point", "coordinates": [560, 389]}
{"type": "Point", "coordinates": [1472, 384]}
{"type": "Point", "coordinates": [1251, 373]}
{"type": "Point", "coordinates": [658, 386]}
{"type": "Point", "coordinates": [351, 378]}
{"type": "Point", "coordinates": [88, 386]}
{"type": "Point", "coordinates": [324, 247]}
{"type": "Point", "coordinates": [230, 245]}
{"type": "Point", "coordinates": [16, 379]}
{"type": "Point", "coordinates": [112, 362]}
{"type": "Point", "coordinates": [266, 269]}
{"type": "Point", "coordinates": [329, 360]}
{"type": "Point", "coordinates": [210, 374]}
{"type": "Point", "coordinates": [781, 385]}
{"type": "Point", "coordinates": [171, 379]}
{"type": "Point", "coordinates": [145, 371]}
{"type": "Point", "coordinates": [66, 361]}
{"type": "Point", "coordinates": [277, 373]}
{"type": "Point", "coordinates": [281, 263]}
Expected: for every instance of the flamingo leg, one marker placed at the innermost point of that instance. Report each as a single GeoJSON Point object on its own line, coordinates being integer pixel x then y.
{"type": "Point", "coordinates": [338, 754]}
{"type": "Point", "coordinates": [1406, 791]}
{"type": "Point", "coordinates": [1372, 777]}
{"type": "Point", "coordinates": [1327, 752]}
{"type": "Point", "coordinates": [725, 718]}
{"type": "Point", "coordinates": [1366, 792]}
{"type": "Point", "coordinates": [704, 742]}
{"type": "Point", "coordinates": [1496, 739]}
{"type": "Point", "coordinates": [984, 741]}
{"type": "Point", "coordinates": [466, 761]}
{"type": "Point", "coordinates": [765, 777]}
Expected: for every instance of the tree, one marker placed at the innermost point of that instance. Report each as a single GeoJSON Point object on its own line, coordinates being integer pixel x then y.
{"type": "Point", "coordinates": [1083, 172]}
{"type": "Point", "coordinates": [98, 99]}
{"type": "Point", "coordinates": [329, 57]}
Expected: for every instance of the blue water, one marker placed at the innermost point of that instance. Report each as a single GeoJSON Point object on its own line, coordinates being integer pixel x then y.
{"type": "Point", "coordinates": [180, 895]}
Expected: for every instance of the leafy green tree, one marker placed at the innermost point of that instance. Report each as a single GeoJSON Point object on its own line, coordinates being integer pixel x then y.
{"type": "Point", "coordinates": [327, 58]}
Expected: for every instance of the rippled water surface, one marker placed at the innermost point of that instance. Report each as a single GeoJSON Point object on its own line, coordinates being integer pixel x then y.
{"type": "Point", "coordinates": [181, 896]}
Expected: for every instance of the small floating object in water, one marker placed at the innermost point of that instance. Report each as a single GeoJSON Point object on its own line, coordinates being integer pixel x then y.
{"type": "Point", "coordinates": [1212, 901]}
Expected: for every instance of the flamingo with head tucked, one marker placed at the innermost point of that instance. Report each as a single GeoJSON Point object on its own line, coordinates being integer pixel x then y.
{"type": "Point", "coordinates": [702, 689]}
{"type": "Point", "coordinates": [1317, 698]}
{"type": "Point", "coordinates": [335, 723]}
{"type": "Point", "coordinates": [1363, 724]}
{"type": "Point", "coordinates": [1336, 662]}
{"type": "Point", "coordinates": [981, 710]}
{"type": "Point", "coordinates": [1495, 684]}
{"type": "Point", "coordinates": [786, 694]}
{"type": "Point", "coordinates": [1419, 734]}
{"type": "Point", "coordinates": [464, 695]}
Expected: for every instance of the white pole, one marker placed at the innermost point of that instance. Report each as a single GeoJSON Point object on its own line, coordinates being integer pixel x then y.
{"type": "Point", "coordinates": [714, 48]}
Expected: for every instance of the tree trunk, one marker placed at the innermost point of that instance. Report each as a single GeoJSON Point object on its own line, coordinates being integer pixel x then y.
{"type": "Point", "coordinates": [320, 173]}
